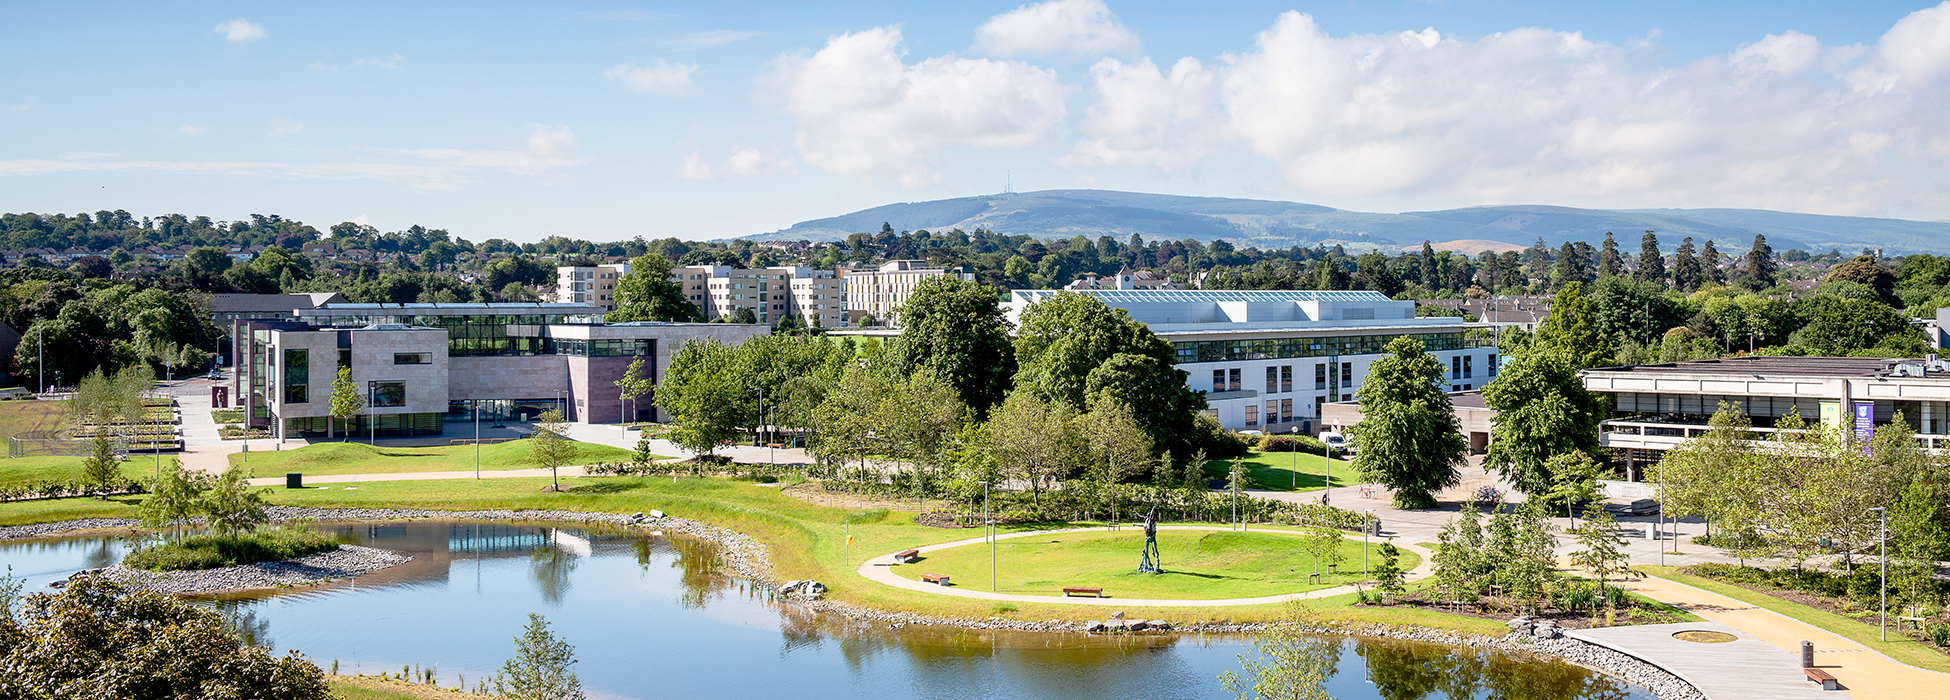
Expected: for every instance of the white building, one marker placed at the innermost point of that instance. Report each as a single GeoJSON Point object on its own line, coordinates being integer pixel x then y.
{"type": "Point", "coordinates": [594, 285]}
{"type": "Point", "coordinates": [878, 292]}
{"type": "Point", "coordinates": [771, 293]}
{"type": "Point", "coordinates": [1268, 360]}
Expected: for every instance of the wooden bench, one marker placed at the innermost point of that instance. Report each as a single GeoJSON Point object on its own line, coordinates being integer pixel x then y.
{"type": "Point", "coordinates": [907, 556]}
{"type": "Point", "coordinates": [1069, 591]}
{"type": "Point", "coordinates": [1826, 679]}
{"type": "Point", "coordinates": [936, 579]}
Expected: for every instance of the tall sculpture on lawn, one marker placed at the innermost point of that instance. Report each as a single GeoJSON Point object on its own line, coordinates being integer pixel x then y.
{"type": "Point", "coordinates": [1151, 563]}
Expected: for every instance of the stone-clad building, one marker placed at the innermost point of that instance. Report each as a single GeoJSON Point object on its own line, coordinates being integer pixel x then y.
{"type": "Point", "coordinates": [419, 366]}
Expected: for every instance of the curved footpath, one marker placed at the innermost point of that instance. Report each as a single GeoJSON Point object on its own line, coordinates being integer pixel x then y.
{"type": "Point", "coordinates": [880, 569]}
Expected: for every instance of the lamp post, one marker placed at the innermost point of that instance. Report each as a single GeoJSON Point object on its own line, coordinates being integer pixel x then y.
{"type": "Point", "coordinates": [1326, 472]}
{"type": "Point", "coordinates": [1882, 540]}
{"type": "Point", "coordinates": [988, 529]}
{"type": "Point", "coordinates": [1367, 525]}
{"type": "Point", "coordinates": [40, 358]}
{"type": "Point", "coordinates": [477, 440]}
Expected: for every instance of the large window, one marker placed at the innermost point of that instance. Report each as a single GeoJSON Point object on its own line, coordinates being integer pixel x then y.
{"type": "Point", "coordinates": [297, 376]}
{"type": "Point", "coordinates": [1281, 348]}
{"type": "Point", "coordinates": [387, 394]}
{"type": "Point", "coordinates": [411, 358]}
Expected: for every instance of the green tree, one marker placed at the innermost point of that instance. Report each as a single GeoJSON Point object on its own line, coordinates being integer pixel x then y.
{"type": "Point", "coordinates": [1408, 437]}
{"type": "Point", "coordinates": [701, 396]}
{"type": "Point", "coordinates": [1610, 263]}
{"type": "Point", "coordinates": [1323, 545]}
{"type": "Point", "coordinates": [1652, 263]}
{"type": "Point", "coordinates": [1572, 328]}
{"type": "Point", "coordinates": [95, 639]}
{"type": "Point", "coordinates": [174, 496]}
{"type": "Point", "coordinates": [1850, 325]}
{"type": "Point", "coordinates": [1601, 551]}
{"type": "Point", "coordinates": [1758, 271]}
{"type": "Point", "coordinates": [1288, 662]}
{"type": "Point", "coordinates": [633, 385]}
{"type": "Point", "coordinates": [648, 293]}
{"type": "Point", "coordinates": [1686, 274]}
{"type": "Point", "coordinates": [542, 668]}
{"type": "Point", "coordinates": [550, 447]}
{"type": "Point", "coordinates": [101, 470]}
{"type": "Point", "coordinates": [1542, 410]}
{"type": "Point", "coordinates": [1072, 346]}
{"type": "Point", "coordinates": [955, 329]}
{"type": "Point", "coordinates": [1573, 479]}
{"type": "Point", "coordinates": [230, 507]}
{"type": "Point", "coordinates": [346, 400]}
{"type": "Point", "coordinates": [1866, 270]}
{"type": "Point", "coordinates": [1388, 574]}
{"type": "Point", "coordinates": [1035, 442]}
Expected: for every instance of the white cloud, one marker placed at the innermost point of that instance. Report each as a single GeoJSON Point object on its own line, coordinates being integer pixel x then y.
{"type": "Point", "coordinates": [862, 110]}
{"type": "Point", "coordinates": [284, 127]}
{"type": "Point", "coordinates": [547, 149]}
{"type": "Point", "coordinates": [386, 63]}
{"type": "Point", "coordinates": [1534, 115]}
{"type": "Point", "coordinates": [658, 77]}
{"type": "Point", "coordinates": [188, 130]}
{"type": "Point", "coordinates": [240, 31]}
{"type": "Point", "coordinates": [743, 162]}
{"type": "Point", "coordinates": [1077, 28]}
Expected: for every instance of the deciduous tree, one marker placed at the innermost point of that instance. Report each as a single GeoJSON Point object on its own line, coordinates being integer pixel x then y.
{"type": "Point", "coordinates": [550, 447]}
{"type": "Point", "coordinates": [543, 666]}
{"type": "Point", "coordinates": [648, 293]}
{"type": "Point", "coordinates": [1408, 437]}
{"type": "Point", "coordinates": [955, 329]}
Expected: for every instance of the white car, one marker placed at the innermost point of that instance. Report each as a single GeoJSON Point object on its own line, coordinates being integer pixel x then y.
{"type": "Point", "coordinates": [1336, 441]}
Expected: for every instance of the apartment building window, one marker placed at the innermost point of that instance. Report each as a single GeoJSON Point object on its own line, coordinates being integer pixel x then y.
{"type": "Point", "coordinates": [297, 376]}
{"type": "Point", "coordinates": [386, 394]}
{"type": "Point", "coordinates": [1286, 410]}
{"type": "Point", "coordinates": [1252, 415]}
{"type": "Point", "coordinates": [1235, 384]}
{"type": "Point", "coordinates": [1320, 377]}
{"type": "Point", "coordinates": [1272, 412]}
{"type": "Point", "coordinates": [1286, 379]}
{"type": "Point", "coordinates": [411, 358]}
{"type": "Point", "coordinates": [1272, 379]}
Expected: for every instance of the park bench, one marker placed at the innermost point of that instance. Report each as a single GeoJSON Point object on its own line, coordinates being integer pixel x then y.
{"type": "Point", "coordinates": [1826, 679]}
{"type": "Point", "coordinates": [936, 579]}
{"type": "Point", "coordinates": [1069, 591]}
{"type": "Point", "coordinates": [907, 556]}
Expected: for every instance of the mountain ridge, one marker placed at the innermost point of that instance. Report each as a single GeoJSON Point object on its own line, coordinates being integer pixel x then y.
{"type": "Point", "coordinates": [1279, 224]}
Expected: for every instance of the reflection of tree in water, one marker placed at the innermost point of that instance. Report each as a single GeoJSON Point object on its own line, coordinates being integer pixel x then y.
{"type": "Point", "coordinates": [1410, 671]}
{"type": "Point", "coordinates": [700, 567]}
{"type": "Point", "coordinates": [240, 618]}
{"type": "Point", "coordinates": [103, 553]}
{"type": "Point", "coordinates": [551, 568]}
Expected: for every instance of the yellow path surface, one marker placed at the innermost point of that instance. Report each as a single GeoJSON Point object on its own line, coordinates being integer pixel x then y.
{"type": "Point", "coordinates": [1863, 672]}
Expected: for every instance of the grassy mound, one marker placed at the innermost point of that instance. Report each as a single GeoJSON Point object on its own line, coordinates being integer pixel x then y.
{"type": "Point", "coordinates": [1198, 565]}
{"type": "Point", "coordinates": [327, 458]}
{"type": "Point", "coordinates": [26, 471]}
{"type": "Point", "coordinates": [213, 551]}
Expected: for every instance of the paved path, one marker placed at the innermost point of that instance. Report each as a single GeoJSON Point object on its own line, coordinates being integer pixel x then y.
{"type": "Point", "coordinates": [880, 569]}
{"type": "Point", "coordinates": [1864, 672]}
{"type": "Point", "coordinates": [564, 472]}
{"type": "Point", "coordinates": [1745, 669]}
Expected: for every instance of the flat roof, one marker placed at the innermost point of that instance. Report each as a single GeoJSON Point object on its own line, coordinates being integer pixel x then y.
{"type": "Point", "coordinates": [1128, 296]}
{"type": "Point", "coordinates": [1800, 366]}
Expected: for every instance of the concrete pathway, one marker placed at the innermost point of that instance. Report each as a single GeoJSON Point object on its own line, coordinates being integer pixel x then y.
{"type": "Point", "coordinates": [880, 569]}
{"type": "Point", "coordinates": [1864, 672]}
{"type": "Point", "coordinates": [564, 472]}
{"type": "Point", "coordinates": [1744, 669]}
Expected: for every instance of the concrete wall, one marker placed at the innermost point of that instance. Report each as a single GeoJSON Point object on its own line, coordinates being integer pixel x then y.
{"type": "Point", "coordinates": [426, 385]}
{"type": "Point", "coordinates": [506, 377]}
{"type": "Point", "coordinates": [323, 363]}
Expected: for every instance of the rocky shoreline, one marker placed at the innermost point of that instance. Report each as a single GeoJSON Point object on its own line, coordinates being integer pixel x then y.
{"type": "Point", "coordinates": [747, 559]}
{"type": "Point", "coordinates": [345, 562]}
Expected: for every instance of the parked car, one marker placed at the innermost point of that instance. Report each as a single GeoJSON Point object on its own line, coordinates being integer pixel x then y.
{"type": "Point", "coordinates": [1335, 441]}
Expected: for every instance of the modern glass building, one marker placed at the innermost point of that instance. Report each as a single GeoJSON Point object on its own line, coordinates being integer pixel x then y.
{"type": "Point", "coordinates": [1268, 360]}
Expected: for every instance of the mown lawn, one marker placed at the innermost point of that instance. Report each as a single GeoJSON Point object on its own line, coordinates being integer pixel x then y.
{"type": "Point", "coordinates": [1199, 565]}
{"type": "Point", "coordinates": [26, 471]}
{"type": "Point", "coordinates": [1286, 471]}
{"type": "Point", "coordinates": [328, 458]}
{"type": "Point", "coordinates": [18, 417]}
{"type": "Point", "coordinates": [1867, 634]}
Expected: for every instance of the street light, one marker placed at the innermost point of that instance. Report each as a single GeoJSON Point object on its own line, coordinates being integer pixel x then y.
{"type": "Point", "coordinates": [1882, 540]}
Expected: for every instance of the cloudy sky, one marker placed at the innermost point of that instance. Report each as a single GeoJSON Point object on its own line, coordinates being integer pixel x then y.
{"type": "Point", "coordinates": [714, 119]}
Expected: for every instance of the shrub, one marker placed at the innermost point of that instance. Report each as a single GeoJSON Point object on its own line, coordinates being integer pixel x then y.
{"type": "Point", "coordinates": [1292, 443]}
{"type": "Point", "coordinates": [1940, 635]}
{"type": "Point", "coordinates": [213, 551]}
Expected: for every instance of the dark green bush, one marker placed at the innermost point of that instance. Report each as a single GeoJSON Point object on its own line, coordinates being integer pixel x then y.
{"type": "Point", "coordinates": [213, 551]}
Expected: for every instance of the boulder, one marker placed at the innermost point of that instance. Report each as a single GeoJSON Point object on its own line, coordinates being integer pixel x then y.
{"type": "Point", "coordinates": [1520, 624]}
{"type": "Point", "coordinates": [656, 514]}
{"type": "Point", "coordinates": [1119, 615]}
{"type": "Point", "coordinates": [1138, 625]}
{"type": "Point", "coordinates": [1546, 630]}
{"type": "Point", "coordinates": [1094, 626]}
{"type": "Point", "coordinates": [1159, 625]}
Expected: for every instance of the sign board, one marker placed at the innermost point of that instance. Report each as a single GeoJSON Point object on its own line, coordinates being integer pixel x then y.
{"type": "Point", "coordinates": [1865, 422]}
{"type": "Point", "coordinates": [1831, 414]}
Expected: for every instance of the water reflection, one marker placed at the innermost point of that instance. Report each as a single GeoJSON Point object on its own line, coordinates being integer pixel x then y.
{"type": "Point", "coordinates": [661, 617]}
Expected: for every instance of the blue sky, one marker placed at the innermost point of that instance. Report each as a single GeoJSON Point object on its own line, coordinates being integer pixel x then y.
{"type": "Point", "coordinates": [706, 120]}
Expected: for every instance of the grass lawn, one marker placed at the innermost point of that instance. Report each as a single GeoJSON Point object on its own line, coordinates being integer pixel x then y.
{"type": "Point", "coordinates": [1276, 471]}
{"type": "Point", "coordinates": [1898, 647]}
{"type": "Point", "coordinates": [18, 417]}
{"type": "Point", "coordinates": [23, 471]}
{"type": "Point", "coordinates": [372, 688]}
{"type": "Point", "coordinates": [804, 540]}
{"type": "Point", "coordinates": [327, 458]}
{"type": "Point", "coordinates": [1198, 565]}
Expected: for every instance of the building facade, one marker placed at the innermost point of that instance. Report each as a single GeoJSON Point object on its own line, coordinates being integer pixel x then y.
{"type": "Point", "coordinates": [878, 292]}
{"type": "Point", "coordinates": [594, 285]}
{"type": "Point", "coordinates": [419, 366]}
{"type": "Point", "coordinates": [1658, 407]}
{"type": "Point", "coordinates": [773, 293]}
{"type": "Point", "coordinates": [1269, 360]}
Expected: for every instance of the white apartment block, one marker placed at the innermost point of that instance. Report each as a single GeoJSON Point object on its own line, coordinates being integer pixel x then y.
{"type": "Point", "coordinates": [772, 293]}
{"type": "Point", "coordinates": [594, 285]}
{"type": "Point", "coordinates": [878, 292]}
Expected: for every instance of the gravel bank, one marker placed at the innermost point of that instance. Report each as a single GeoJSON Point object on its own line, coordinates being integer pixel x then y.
{"type": "Point", "coordinates": [345, 562]}
{"type": "Point", "coordinates": [747, 559]}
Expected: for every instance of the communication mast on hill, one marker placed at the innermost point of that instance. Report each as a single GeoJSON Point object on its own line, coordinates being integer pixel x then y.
{"type": "Point", "coordinates": [1009, 182]}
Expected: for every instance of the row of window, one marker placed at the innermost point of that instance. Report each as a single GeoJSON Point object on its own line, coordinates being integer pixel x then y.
{"type": "Point", "coordinates": [1279, 378]}
{"type": "Point", "coordinates": [1282, 348]}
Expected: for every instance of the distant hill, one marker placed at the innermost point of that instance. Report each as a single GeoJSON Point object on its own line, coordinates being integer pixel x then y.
{"type": "Point", "coordinates": [1273, 224]}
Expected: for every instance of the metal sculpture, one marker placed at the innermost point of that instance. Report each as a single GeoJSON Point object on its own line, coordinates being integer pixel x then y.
{"type": "Point", "coordinates": [1151, 563]}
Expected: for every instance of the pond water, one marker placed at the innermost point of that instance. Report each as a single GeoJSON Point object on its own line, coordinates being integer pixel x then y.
{"type": "Point", "coordinates": [655, 618]}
